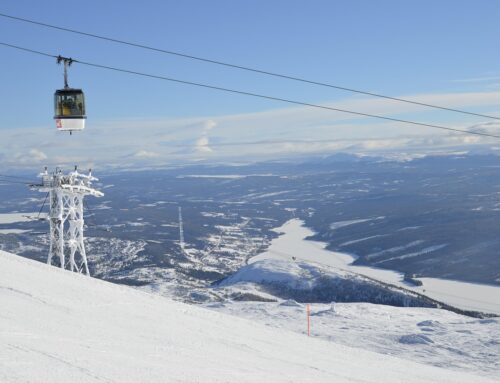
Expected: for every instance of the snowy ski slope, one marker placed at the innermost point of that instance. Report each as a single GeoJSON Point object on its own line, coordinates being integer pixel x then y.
{"type": "Point", "coordinates": [56, 326]}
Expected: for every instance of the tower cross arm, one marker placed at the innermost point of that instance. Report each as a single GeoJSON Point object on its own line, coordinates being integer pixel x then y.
{"type": "Point", "coordinates": [82, 189]}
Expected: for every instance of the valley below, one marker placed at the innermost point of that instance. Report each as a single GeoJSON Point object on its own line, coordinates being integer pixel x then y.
{"type": "Point", "coordinates": [388, 255]}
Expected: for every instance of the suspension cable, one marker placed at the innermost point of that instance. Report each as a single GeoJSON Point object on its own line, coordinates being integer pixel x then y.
{"type": "Point", "coordinates": [245, 68]}
{"type": "Point", "coordinates": [273, 98]}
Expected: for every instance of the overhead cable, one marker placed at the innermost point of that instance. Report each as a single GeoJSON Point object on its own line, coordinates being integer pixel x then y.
{"type": "Point", "coordinates": [273, 98]}
{"type": "Point", "coordinates": [245, 68]}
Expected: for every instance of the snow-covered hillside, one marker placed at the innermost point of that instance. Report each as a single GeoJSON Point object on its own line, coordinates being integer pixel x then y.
{"type": "Point", "coordinates": [267, 291]}
{"type": "Point", "coordinates": [292, 244]}
{"type": "Point", "coordinates": [56, 326]}
{"type": "Point", "coordinates": [430, 336]}
{"type": "Point", "coordinates": [312, 282]}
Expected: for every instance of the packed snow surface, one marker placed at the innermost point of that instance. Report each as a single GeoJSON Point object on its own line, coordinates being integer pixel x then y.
{"type": "Point", "coordinates": [56, 326]}
{"type": "Point", "coordinates": [431, 336]}
{"type": "Point", "coordinates": [292, 244]}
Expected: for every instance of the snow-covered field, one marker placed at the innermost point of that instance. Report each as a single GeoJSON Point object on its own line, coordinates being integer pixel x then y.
{"type": "Point", "coordinates": [431, 336]}
{"type": "Point", "coordinates": [56, 326]}
{"type": "Point", "coordinates": [13, 231]}
{"type": "Point", "coordinates": [292, 244]}
{"type": "Point", "coordinates": [16, 217]}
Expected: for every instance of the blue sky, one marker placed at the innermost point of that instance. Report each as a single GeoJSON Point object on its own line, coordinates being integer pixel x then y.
{"type": "Point", "coordinates": [437, 51]}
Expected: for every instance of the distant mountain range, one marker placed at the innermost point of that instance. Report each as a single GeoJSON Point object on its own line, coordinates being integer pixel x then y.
{"type": "Point", "coordinates": [434, 216]}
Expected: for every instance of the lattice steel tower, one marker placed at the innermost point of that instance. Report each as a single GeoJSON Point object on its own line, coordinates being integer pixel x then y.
{"type": "Point", "coordinates": [66, 193]}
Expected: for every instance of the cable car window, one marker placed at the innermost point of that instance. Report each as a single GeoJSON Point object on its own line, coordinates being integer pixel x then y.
{"type": "Point", "coordinates": [69, 104]}
{"type": "Point", "coordinates": [58, 104]}
{"type": "Point", "coordinates": [80, 103]}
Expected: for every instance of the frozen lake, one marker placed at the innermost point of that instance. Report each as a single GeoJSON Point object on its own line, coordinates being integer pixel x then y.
{"type": "Point", "coordinates": [292, 244]}
{"type": "Point", "coordinates": [16, 217]}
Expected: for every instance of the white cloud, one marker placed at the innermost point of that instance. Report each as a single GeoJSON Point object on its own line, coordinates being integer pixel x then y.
{"type": "Point", "coordinates": [209, 125]}
{"type": "Point", "coordinates": [202, 143]}
{"type": "Point", "coordinates": [31, 156]}
{"type": "Point", "coordinates": [38, 155]}
{"type": "Point", "coordinates": [256, 136]}
{"type": "Point", "coordinates": [478, 79]}
{"type": "Point", "coordinates": [146, 154]}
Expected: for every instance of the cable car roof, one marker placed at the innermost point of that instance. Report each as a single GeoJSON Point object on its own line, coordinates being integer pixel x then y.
{"type": "Point", "coordinates": [68, 91]}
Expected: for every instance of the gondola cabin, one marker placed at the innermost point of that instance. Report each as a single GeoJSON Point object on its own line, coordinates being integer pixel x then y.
{"type": "Point", "coordinates": [69, 105]}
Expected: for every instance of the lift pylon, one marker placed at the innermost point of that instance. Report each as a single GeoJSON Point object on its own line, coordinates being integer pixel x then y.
{"type": "Point", "coordinates": [66, 193]}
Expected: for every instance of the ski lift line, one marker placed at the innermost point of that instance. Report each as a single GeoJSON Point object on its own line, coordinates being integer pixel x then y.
{"type": "Point", "coordinates": [91, 218]}
{"type": "Point", "coordinates": [10, 176]}
{"type": "Point", "coordinates": [91, 213]}
{"type": "Point", "coordinates": [234, 91]}
{"type": "Point", "coordinates": [43, 205]}
{"type": "Point", "coordinates": [14, 182]}
{"type": "Point", "coordinates": [245, 68]}
{"type": "Point", "coordinates": [15, 178]}
{"type": "Point", "coordinates": [3, 182]}
{"type": "Point", "coordinates": [29, 50]}
{"type": "Point", "coordinates": [257, 95]}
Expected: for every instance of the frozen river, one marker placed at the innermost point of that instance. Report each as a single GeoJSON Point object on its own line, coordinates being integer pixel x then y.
{"type": "Point", "coordinates": [291, 244]}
